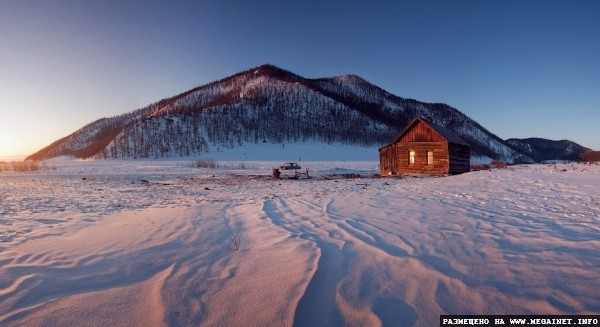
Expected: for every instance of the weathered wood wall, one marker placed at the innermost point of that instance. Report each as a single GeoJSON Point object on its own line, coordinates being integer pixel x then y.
{"type": "Point", "coordinates": [421, 133]}
{"type": "Point", "coordinates": [448, 158]}
{"type": "Point", "coordinates": [394, 159]}
{"type": "Point", "coordinates": [460, 156]}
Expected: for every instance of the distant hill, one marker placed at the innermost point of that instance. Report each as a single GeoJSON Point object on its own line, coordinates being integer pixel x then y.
{"type": "Point", "coordinates": [591, 156]}
{"type": "Point", "coordinates": [542, 149]}
{"type": "Point", "coordinates": [269, 105]}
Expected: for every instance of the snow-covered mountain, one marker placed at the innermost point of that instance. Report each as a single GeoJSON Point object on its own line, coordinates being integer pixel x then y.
{"type": "Point", "coordinates": [265, 107]}
{"type": "Point", "coordinates": [542, 149]}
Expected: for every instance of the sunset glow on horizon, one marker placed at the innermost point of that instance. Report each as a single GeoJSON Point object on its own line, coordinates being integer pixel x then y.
{"type": "Point", "coordinates": [10, 148]}
{"type": "Point", "coordinates": [520, 69]}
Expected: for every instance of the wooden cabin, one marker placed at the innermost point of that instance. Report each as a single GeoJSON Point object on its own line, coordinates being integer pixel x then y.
{"type": "Point", "coordinates": [424, 147]}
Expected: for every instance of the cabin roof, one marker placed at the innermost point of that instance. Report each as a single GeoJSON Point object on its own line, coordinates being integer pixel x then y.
{"type": "Point", "coordinates": [446, 133]}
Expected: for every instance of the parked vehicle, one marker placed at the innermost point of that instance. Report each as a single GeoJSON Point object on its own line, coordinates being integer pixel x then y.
{"type": "Point", "coordinates": [289, 166]}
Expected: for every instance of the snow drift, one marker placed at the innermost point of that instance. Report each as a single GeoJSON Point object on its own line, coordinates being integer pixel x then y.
{"type": "Point", "coordinates": [162, 244]}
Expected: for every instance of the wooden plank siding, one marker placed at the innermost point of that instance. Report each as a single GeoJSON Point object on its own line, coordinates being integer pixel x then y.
{"type": "Point", "coordinates": [395, 158]}
{"type": "Point", "coordinates": [459, 158]}
{"type": "Point", "coordinates": [421, 133]}
{"type": "Point", "coordinates": [422, 136]}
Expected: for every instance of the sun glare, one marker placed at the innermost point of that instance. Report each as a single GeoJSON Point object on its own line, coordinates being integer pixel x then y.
{"type": "Point", "coordinates": [9, 149]}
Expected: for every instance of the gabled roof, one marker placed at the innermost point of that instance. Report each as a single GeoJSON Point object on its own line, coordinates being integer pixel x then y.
{"type": "Point", "coordinates": [446, 133]}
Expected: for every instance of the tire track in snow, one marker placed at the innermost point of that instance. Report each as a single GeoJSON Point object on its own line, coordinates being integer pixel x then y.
{"type": "Point", "coordinates": [328, 299]}
{"type": "Point", "coordinates": [317, 304]}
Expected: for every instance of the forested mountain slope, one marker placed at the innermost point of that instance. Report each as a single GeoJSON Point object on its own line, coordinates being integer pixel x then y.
{"type": "Point", "coordinates": [268, 105]}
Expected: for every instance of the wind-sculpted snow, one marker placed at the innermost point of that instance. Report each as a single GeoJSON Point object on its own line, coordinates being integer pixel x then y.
{"type": "Point", "coordinates": [156, 243]}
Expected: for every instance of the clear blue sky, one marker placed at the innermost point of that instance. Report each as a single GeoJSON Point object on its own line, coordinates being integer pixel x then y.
{"type": "Point", "coordinates": [520, 68]}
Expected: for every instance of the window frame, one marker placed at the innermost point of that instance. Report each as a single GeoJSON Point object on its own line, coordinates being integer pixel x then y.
{"type": "Point", "coordinates": [411, 157]}
{"type": "Point", "coordinates": [429, 157]}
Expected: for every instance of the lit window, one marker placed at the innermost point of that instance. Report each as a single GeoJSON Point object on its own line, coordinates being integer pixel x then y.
{"type": "Point", "coordinates": [411, 157]}
{"type": "Point", "coordinates": [430, 157]}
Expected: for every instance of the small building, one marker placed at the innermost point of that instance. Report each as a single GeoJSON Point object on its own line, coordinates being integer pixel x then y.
{"type": "Point", "coordinates": [424, 147]}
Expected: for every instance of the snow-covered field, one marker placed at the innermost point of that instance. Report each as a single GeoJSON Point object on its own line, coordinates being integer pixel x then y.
{"type": "Point", "coordinates": [153, 243]}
